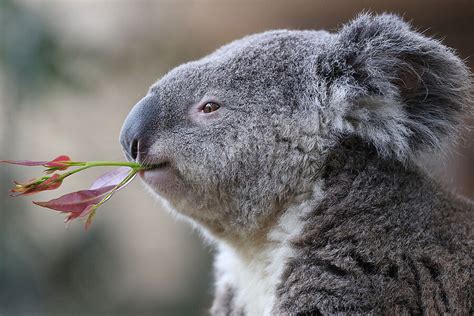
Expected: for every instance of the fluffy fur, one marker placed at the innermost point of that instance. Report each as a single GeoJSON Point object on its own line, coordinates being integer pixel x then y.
{"type": "Point", "coordinates": [305, 178]}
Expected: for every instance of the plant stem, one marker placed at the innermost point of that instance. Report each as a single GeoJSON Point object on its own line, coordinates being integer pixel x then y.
{"type": "Point", "coordinates": [86, 165]}
{"type": "Point", "coordinates": [133, 165]}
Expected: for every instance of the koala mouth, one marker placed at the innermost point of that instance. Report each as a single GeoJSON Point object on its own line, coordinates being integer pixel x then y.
{"type": "Point", "coordinates": [162, 178]}
{"type": "Point", "coordinates": [161, 165]}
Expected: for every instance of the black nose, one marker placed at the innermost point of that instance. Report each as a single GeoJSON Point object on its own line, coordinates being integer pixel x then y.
{"type": "Point", "coordinates": [137, 131]}
{"type": "Point", "coordinates": [131, 147]}
{"type": "Point", "coordinates": [134, 149]}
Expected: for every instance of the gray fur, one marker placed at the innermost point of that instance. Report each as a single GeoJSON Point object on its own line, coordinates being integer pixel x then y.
{"type": "Point", "coordinates": [384, 240]}
{"type": "Point", "coordinates": [343, 112]}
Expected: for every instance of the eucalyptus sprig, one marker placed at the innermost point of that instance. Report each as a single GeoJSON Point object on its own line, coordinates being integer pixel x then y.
{"type": "Point", "coordinates": [80, 204]}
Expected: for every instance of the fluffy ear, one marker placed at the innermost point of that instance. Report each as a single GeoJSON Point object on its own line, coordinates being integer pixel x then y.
{"type": "Point", "coordinates": [393, 86]}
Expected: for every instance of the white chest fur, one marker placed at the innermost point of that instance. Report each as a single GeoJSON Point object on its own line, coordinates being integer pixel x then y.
{"type": "Point", "coordinates": [255, 276]}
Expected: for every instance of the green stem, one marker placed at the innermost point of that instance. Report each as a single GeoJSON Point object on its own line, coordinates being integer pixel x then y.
{"type": "Point", "coordinates": [86, 165]}
{"type": "Point", "coordinates": [133, 165]}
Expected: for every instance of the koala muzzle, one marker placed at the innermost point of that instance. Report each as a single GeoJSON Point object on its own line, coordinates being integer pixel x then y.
{"type": "Point", "coordinates": [137, 132]}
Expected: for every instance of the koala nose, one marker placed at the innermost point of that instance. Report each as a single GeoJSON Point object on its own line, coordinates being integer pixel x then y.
{"type": "Point", "coordinates": [137, 131]}
{"type": "Point", "coordinates": [131, 149]}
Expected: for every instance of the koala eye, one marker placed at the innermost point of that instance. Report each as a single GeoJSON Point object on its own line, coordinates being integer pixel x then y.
{"type": "Point", "coordinates": [210, 107]}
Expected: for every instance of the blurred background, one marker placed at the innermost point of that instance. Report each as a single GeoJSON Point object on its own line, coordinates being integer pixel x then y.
{"type": "Point", "coordinates": [69, 73]}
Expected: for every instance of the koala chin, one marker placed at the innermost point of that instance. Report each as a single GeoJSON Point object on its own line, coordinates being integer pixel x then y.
{"type": "Point", "coordinates": [294, 151]}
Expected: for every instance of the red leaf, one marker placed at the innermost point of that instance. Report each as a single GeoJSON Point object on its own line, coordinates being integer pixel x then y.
{"type": "Point", "coordinates": [113, 177]}
{"type": "Point", "coordinates": [77, 202]}
{"type": "Point", "coordinates": [58, 163]}
{"type": "Point", "coordinates": [36, 185]}
{"type": "Point", "coordinates": [90, 211]}
{"type": "Point", "coordinates": [24, 162]}
{"type": "Point", "coordinates": [85, 202]}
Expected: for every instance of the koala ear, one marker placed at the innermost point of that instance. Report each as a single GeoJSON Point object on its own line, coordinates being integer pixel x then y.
{"type": "Point", "coordinates": [393, 86]}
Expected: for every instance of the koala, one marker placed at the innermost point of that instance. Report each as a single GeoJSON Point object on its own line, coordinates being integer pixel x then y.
{"type": "Point", "coordinates": [295, 153]}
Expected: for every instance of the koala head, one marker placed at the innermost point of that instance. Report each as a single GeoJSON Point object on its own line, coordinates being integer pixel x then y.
{"type": "Point", "coordinates": [235, 136]}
